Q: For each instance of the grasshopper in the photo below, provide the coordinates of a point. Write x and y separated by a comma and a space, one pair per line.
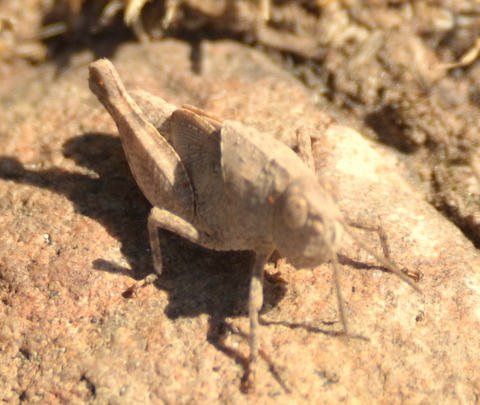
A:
226, 186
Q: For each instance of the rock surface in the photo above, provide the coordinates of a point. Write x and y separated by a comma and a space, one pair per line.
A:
73, 239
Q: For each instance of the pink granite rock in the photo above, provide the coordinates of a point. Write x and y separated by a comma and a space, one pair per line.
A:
73, 238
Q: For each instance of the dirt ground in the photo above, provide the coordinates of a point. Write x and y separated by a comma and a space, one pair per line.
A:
73, 222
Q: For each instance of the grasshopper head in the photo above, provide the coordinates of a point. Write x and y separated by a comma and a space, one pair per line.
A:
307, 226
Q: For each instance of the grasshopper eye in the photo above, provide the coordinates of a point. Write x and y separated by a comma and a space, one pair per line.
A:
295, 212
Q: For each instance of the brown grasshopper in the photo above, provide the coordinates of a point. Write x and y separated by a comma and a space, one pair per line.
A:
226, 186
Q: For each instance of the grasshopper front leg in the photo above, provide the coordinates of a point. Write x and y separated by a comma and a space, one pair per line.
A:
255, 302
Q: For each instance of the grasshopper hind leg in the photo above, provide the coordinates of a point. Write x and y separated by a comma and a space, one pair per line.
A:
164, 219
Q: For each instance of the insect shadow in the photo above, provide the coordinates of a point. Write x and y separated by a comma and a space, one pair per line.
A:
198, 280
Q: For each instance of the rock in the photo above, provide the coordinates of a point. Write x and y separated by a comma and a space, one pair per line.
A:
74, 238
